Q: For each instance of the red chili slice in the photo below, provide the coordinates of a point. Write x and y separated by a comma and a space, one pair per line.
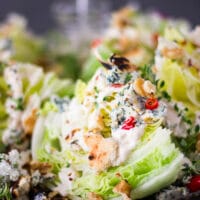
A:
151, 103
194, 184
129, 123
96, 42
117, 85
96, 78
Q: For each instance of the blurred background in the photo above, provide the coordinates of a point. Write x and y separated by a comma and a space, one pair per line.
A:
41, 14
64, 29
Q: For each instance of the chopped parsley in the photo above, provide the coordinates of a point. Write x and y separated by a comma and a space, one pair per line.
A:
19, 104
5, 191
188, 144
128, 78
147, 73
108, 98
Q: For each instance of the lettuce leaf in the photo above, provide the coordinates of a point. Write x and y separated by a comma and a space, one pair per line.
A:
80, 90
46, 145
3, 114
182, 84
154, 164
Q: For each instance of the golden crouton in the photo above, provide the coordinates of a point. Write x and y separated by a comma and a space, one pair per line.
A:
175, 53
29, 122
124, 189
93, 196
103, 151
144, 88
198, 144
42, 167
120, 19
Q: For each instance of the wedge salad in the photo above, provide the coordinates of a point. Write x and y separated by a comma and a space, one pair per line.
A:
128, 129
131, 34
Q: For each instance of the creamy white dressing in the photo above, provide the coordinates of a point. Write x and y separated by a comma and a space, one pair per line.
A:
147, 115
159, 59
195, 35
14, 79
164, 43
10, 109
174, 121
74, 118
66, 176
127, 141
159, 62
14, 76
107, 91
80, 119
93, 120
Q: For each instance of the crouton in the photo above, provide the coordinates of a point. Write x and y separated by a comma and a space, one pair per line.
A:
29, 121
103, 151
124, 189
93, 196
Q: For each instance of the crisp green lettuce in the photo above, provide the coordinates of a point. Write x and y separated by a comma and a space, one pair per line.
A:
45, 85
46, 145
5, 193
48, 107
3, 114
37, 88
182, 84
154, 164
78, 159
181, 76
80, 90
46, 140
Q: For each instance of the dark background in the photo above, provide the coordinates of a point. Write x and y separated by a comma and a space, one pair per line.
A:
40, 17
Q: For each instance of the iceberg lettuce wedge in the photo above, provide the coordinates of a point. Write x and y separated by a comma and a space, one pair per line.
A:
154, 164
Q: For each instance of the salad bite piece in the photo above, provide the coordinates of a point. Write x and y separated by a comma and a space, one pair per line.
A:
131, 34
28, 87
108, 142
177, 63
24, 89
177, 67
24, 45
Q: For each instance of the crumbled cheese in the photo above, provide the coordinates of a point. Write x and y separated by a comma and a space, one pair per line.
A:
35, 178
66, 176
5, 168
14, 157
8, 172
